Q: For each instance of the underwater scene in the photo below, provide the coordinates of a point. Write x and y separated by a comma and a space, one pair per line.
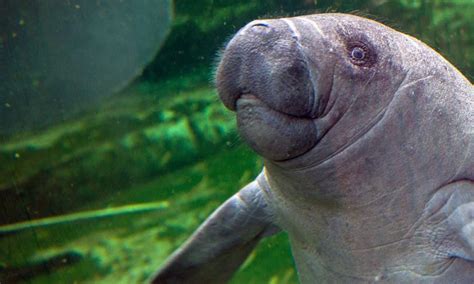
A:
114, 143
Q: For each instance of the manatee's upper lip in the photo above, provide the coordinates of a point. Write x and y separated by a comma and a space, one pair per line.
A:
276, 73
250, 98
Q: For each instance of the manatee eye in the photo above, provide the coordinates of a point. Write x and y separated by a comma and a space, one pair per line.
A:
358, 53
361, 54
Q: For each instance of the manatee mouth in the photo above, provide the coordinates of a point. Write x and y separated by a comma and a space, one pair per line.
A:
264, 77
274, 135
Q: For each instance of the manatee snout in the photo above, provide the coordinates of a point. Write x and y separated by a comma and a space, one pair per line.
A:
264, 58
264, 77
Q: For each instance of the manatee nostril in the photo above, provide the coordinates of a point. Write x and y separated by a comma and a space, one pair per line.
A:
259, 28
260, 24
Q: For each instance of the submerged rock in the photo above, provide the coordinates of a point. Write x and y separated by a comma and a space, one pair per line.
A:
127, 141
39, 267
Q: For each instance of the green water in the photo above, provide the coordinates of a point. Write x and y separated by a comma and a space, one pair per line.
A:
165, 138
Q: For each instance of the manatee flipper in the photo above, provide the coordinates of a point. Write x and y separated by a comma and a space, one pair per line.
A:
220, 245
452, 220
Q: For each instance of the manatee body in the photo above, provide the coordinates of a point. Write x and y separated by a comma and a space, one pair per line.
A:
58, 58
367, 137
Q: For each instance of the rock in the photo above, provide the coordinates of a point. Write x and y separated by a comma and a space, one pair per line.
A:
124, 142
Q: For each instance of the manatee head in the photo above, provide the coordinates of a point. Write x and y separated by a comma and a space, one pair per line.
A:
293, 81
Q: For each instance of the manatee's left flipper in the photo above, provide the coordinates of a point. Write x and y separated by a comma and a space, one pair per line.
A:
452, 220
220, 245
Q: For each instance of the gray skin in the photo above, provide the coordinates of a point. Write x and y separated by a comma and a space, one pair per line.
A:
367, 136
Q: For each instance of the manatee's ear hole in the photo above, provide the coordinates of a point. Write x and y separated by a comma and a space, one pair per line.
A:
360, 52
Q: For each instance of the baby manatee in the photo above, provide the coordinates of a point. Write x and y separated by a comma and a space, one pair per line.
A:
367, 136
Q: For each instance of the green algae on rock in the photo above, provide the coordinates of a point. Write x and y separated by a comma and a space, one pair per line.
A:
146, 138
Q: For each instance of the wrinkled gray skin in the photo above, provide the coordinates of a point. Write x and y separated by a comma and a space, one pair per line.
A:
368, 140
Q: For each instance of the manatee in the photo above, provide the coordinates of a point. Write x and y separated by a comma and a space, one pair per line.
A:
59, 58
367, 137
